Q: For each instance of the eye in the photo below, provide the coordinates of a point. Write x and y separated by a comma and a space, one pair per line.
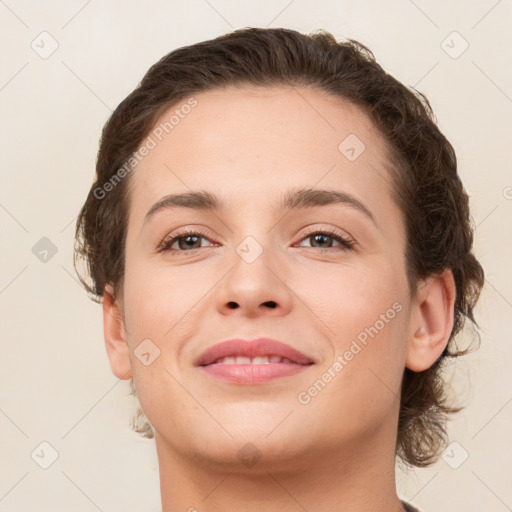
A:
187, 242
321, 237
189, 239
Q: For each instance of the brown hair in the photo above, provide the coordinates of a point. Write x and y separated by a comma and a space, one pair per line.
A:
423, 168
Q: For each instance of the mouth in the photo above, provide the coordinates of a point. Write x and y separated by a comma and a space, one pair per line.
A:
253, 362
273, 359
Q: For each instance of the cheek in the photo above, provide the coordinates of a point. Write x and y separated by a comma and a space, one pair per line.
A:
360, 387
159, 306
369, 324
156, 295
365, 313
166, 305
349, 297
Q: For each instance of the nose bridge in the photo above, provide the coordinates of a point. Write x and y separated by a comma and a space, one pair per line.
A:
255, 252
251, 230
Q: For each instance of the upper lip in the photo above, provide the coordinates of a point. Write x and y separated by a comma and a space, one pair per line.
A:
251, 348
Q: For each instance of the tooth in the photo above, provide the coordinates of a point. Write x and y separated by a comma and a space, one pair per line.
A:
254, 360
260, 360
242, 360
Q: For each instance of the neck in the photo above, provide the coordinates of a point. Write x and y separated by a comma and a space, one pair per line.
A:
358, 478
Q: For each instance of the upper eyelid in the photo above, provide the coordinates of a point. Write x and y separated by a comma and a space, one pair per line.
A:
202, 232
330, 231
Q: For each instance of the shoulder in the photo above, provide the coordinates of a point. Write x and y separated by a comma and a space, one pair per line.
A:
409, 507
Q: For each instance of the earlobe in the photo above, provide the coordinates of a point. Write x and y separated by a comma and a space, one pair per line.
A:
432, 317
116, 344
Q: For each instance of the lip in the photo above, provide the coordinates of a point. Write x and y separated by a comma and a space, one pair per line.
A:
252, 348
252, 373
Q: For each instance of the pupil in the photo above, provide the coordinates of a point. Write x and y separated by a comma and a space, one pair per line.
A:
319, 236
188, 239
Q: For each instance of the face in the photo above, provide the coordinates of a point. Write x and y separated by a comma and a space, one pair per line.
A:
327, 279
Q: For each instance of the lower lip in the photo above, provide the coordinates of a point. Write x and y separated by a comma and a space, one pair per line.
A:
253, 373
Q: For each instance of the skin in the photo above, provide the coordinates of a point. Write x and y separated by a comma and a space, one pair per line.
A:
336, 452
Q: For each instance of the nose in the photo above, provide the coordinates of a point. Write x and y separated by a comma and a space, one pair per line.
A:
255, 284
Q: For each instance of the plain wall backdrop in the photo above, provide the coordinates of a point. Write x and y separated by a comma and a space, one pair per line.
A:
65, 65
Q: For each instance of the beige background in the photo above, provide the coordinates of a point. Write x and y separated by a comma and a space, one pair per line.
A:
55, 382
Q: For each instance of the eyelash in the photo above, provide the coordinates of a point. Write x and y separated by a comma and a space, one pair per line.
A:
168, 242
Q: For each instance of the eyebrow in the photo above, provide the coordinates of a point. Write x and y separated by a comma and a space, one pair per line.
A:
292, 200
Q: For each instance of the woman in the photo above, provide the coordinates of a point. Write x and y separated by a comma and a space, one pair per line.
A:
282, 247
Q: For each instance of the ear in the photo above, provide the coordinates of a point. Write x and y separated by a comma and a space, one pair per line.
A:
432, 317
117, 347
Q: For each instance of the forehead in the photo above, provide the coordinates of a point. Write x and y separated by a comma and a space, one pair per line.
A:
249, 144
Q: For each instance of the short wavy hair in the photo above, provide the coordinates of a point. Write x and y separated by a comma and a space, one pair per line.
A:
422, 166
